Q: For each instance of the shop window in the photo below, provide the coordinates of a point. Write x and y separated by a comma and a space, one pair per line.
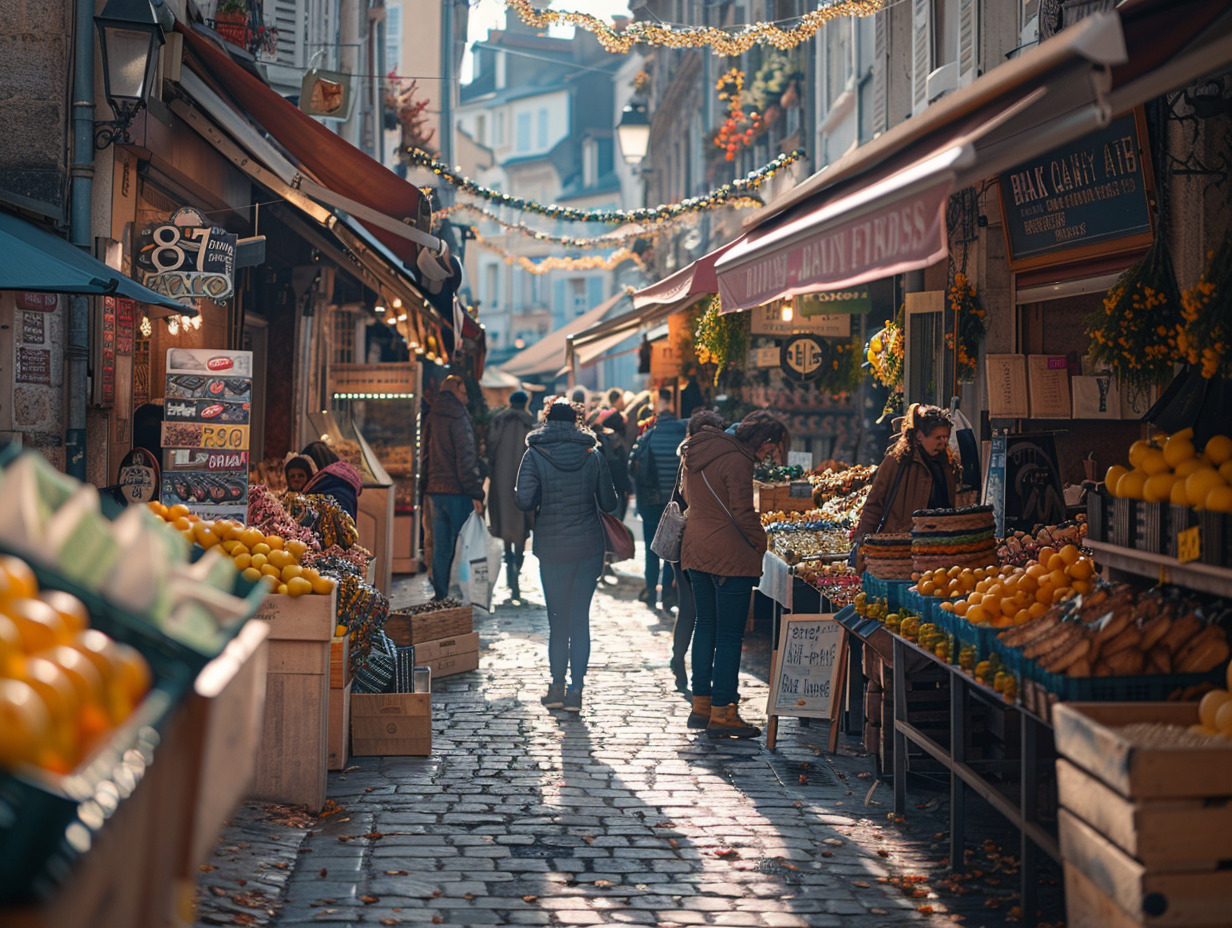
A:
523, 132
543, 129
927, 365
393, 39
342, 337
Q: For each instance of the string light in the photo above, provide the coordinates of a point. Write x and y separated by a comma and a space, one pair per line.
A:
147, 328
719, 197
720, 42
558, 263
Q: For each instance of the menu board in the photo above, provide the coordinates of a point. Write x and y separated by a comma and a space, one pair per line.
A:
1049, 379
205, 432
803, 672
1007, 386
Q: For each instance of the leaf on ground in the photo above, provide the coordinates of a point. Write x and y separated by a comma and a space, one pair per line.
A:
243, 918
241, 882
324, 873
468, 895
206, 868
879, 911
395, 873
331, 808
673, 842
882, 852
827, 853
218, 891
437, 920
529, 898
803, 780
588, 839
391, 921
860, 883
436, 893
604, 884
726, 852
369, 900
925, 909
834, 842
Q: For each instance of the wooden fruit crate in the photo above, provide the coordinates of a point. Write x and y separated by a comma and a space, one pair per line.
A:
339, 726
1146, 828
769, 497
406, 628
391, 724
339, 662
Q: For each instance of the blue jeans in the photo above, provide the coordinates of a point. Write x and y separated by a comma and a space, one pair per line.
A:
650, 523
718, 636
568, 587
449, 513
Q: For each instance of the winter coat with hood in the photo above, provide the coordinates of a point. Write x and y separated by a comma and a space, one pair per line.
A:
338, 480
712, 543
453, 460
507, 433
913, 493
562, 476
655, 459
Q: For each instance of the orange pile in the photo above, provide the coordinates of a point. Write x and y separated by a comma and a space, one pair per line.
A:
255, 554
63, 685
1001, 596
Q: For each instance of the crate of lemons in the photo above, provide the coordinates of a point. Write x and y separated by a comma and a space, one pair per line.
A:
1171, 469
1215, 712
256, 556
64, 686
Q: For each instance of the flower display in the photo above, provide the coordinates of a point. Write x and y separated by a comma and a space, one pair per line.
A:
739, 128
969, 325
884, 353
1204, 334
721, 340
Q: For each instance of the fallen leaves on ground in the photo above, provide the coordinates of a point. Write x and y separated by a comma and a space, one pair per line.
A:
395, 873
529, 898
369, 900
331, 808
604, 884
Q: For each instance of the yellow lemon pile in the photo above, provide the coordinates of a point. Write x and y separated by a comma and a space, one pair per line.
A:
255, 554
1170, 469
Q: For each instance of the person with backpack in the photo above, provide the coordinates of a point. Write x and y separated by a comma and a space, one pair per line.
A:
611, 432
653, 465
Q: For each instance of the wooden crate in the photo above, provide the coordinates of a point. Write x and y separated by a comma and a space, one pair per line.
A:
391, 724
292, 761
339, 662
769, 497
428, 651
454, 663
406, 628
339, 726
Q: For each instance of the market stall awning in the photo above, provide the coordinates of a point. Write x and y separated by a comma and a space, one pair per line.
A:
548, 355
695, 280
34, 260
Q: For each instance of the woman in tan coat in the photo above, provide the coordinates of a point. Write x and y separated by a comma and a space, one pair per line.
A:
722, 551
917, 473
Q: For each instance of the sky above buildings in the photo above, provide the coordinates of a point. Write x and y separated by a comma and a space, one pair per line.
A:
490, 14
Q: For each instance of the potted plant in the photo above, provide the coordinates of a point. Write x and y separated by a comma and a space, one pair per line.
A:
231, 21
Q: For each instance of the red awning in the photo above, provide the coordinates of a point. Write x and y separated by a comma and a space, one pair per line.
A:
334, 161
697, 279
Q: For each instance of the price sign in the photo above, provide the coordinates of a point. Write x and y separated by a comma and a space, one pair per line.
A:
801, 680
1189, 544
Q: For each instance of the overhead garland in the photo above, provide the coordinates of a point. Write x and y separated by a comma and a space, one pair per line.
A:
557, 263
720, 41
719, 197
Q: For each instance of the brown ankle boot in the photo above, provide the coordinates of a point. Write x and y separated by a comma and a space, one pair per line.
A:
700, 716
725, 722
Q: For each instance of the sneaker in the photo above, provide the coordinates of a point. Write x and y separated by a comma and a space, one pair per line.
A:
573, 700
555, 696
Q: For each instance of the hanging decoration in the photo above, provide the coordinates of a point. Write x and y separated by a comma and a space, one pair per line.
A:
721, 340
885, 359
558, 263
1134, 330
1204, 334
968, 323
722, 196
610, 240
720, 41
739, 129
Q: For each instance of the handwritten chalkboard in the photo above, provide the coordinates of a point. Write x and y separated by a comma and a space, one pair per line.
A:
803, 666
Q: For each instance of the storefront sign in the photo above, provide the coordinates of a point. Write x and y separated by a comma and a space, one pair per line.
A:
188, 260
1089, 193
37, 302
126, 311
34, 366
200, 435
33, 328
905, 235
765, 357
804, 357
105, 365
139, 476
768, 320
664, 361
183, 459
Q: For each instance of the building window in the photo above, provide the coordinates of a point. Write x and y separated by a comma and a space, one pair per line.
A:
543, 129
492, 286
481, 130
523, 131
500, 129
393, 39
577, 295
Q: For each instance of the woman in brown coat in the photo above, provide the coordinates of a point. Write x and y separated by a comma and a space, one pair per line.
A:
917, 473
722, 551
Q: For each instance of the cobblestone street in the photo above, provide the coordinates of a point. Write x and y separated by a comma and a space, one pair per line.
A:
619, 815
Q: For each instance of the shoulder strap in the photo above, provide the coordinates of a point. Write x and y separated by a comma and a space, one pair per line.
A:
898, 479
729, 515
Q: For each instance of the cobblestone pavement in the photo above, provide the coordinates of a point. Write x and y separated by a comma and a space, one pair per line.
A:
619, 815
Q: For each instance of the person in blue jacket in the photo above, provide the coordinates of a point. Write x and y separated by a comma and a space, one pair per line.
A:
653, 465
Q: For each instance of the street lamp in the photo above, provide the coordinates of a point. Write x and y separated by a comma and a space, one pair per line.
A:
633, 132
129, 37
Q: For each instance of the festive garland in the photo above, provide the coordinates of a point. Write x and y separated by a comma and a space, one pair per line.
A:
1205, 332
732, 137
719, 197
557, 263
724, 43
969, 315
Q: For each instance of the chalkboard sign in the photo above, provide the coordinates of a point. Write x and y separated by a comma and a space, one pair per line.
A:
1024, 482
803, 671
1091, 192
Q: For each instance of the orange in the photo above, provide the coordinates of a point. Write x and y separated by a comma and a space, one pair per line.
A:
102, 652
1070, 554
251, 574
1210, 704
257, 560
1009, 607
1219, 500
274, 541
1225, 471
1081, 586
12, 656
1158, 488
25, 724
1229, 676
242, 561
1045, 555
280, 558
1137, 451
183, 525
252, 536
292, 572
1132, 484
260, 548
1178, 495
281, 589
40, 626
322, 585
92, 721
1081, 569
60, 697
133, 673
1185, 468
1223, 719
1022, 617
1218, 449
1155, 463
21, 583
977, 616
271, 571
71, 609
1036, 609
1037, 571
298, 586
297, 548
960, 608
1200, 483
1114, 474
178, 511
1055, 563
1177, 449
927, 588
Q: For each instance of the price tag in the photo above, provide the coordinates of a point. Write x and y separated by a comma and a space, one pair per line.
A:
1189, 544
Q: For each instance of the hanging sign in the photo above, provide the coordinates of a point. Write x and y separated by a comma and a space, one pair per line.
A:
326, 94
187, 259
37, 302
804, 357
768, 320
1090, 195
139, 476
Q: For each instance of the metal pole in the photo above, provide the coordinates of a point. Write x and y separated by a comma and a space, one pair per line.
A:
445, 133
80, 234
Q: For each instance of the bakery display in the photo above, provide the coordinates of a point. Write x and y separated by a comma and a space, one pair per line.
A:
953, 538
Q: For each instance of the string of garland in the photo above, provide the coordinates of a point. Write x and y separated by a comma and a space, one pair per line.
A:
720, 42
558, 263
719, 197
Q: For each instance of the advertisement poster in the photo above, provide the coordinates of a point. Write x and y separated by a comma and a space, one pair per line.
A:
206, 432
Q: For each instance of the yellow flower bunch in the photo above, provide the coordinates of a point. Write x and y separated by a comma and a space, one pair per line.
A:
1204, 333
969, 324
885, 355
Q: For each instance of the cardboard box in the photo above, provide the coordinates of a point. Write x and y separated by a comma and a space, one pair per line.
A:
339, 726
456, 663
391, 724
339, 662
412, 628
428, 651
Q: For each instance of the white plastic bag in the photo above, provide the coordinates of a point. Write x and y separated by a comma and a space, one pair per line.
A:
478, 556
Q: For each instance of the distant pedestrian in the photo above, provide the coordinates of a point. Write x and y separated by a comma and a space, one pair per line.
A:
507, 433
334, 477
722, 551
453, 481
611, 432
653, 464
564, 479
298, 470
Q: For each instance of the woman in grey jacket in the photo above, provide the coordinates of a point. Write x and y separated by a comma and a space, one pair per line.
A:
565, 480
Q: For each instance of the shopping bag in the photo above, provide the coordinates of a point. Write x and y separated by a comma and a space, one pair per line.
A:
478, 559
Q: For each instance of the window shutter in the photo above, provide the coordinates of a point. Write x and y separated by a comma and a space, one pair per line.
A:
968, 41
291, 21
881, 66
921, 53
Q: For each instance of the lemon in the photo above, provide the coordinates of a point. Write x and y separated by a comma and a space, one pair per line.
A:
1137, 451
1158, 488
1209, 706
1179, 496
1219, 500
1225, 471
1200, 483
1131, 486
1154, 462
1184, 433
1177, 450
1219, 449
1223, 719
1187, 467
1115, 473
